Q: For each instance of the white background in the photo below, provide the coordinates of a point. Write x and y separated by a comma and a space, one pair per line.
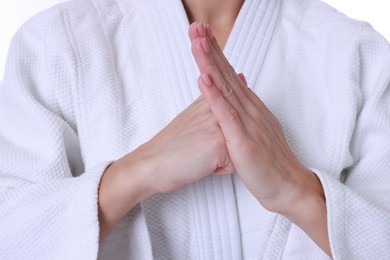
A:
13, 13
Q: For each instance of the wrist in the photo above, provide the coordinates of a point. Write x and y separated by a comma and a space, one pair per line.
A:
131, 176
307, 209
304, 197
124, 184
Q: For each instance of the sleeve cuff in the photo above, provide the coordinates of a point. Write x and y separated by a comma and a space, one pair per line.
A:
87, 227
335, 206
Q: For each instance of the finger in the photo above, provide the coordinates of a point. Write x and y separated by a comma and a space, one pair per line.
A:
227, 117
227, 70
200, 49
224, 65
221, 59
231, 79
242, 77
207, 66
197, 29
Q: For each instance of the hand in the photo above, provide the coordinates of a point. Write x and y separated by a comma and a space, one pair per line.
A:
191, 147
254, 137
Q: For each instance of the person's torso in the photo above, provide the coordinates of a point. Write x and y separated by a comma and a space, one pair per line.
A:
136, 73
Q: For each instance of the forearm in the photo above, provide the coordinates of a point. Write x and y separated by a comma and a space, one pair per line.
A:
306, 207
124, 185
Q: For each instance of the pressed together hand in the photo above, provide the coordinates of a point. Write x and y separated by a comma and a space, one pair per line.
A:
256, 143
254, 137
228, 129
189, 148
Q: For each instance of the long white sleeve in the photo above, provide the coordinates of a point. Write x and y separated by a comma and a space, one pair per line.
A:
48, 201
359, 208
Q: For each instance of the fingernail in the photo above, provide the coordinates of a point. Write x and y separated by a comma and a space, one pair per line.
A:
209, 32
206, 80
205, 45
242, 76
201, 30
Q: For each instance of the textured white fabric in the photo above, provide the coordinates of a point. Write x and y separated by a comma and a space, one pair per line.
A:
89, 81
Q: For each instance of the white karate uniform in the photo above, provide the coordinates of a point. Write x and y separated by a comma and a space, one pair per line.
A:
89, 81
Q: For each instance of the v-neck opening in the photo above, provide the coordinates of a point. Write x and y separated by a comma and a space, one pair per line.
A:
180, 27
188, 23
250, 37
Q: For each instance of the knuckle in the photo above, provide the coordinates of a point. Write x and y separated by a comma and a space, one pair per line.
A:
231, 113
226, 91
229, 72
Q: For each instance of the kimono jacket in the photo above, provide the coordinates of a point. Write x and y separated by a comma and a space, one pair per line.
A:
89, 81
